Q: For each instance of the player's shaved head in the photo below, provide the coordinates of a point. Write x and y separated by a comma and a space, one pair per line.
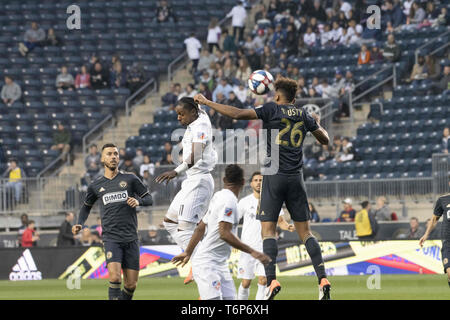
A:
287, 88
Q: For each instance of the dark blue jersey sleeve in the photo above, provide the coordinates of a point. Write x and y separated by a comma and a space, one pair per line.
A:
139, 188
438, 209
310, 122
265, 112
91, 196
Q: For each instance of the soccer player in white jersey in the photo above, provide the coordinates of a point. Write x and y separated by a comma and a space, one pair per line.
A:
209, 264
199, 158
251, 235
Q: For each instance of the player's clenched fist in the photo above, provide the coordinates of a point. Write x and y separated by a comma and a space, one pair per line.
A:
132, 202
200, 99
265, 259
76, 228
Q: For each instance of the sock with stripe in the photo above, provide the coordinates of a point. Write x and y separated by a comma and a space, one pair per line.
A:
270, 248
126, 294
313, 248
114, 290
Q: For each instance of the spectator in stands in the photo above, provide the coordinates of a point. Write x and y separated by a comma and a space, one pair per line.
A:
312, 153
364, 55
24, 221
99, 77
415, 231
193, 47
213, 35
314, 215
118, 78
147, 165
309, 37
65, 235
64, 80
441, 19
446, 140
11, 91
376, 56
391, 50
83, 79
223, 87
138, 158
164, 12
92, 173
382, 211
336, 33
30, 235
85, 239
443, 86
204, 90
228, 44
416, 15
417, 73
392, 13
170, 98
229, 68
128, 165
435, 233
432, 68
268, 58
318, 12
61, 141
189, 91
166, 157
15, 175
241, 92
135, 77
348, 152
326, 37
33, 37
96, 239
205, 61
52, 39
243, 71
348, 214
238, 17
93, 157
151, 237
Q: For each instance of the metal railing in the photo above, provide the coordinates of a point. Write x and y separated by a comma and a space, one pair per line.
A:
417, 51
441, 172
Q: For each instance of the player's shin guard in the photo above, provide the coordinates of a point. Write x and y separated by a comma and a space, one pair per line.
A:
270, 248
114, 290
126, 294
243, 293
313, 248
260, 292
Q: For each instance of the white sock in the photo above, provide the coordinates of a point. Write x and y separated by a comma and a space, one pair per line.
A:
243, 293
260, 292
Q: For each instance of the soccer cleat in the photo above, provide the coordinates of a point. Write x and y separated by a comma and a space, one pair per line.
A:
324, 289
189, 277
271, 291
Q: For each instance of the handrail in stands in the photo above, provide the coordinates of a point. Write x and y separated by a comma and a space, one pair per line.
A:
417, 51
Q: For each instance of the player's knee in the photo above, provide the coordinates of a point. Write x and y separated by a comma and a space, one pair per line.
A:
130, 285
115, 278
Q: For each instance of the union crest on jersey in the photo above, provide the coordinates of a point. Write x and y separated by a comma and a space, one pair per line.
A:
228, 212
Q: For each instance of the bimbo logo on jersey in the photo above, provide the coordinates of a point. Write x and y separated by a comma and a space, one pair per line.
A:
115, 197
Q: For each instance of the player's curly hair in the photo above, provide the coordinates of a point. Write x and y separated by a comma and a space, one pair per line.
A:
188, 103
287, 87
234, 174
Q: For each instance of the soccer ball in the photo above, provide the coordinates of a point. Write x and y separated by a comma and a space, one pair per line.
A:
260, 82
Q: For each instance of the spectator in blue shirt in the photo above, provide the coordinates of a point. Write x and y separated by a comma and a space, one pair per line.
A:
223, 87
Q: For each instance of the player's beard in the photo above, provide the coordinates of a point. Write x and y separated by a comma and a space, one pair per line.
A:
111, 167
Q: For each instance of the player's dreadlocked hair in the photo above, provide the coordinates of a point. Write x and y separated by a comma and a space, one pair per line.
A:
188, 103
288, 88
234, 174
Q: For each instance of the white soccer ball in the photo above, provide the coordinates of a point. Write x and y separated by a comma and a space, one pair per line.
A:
260, 82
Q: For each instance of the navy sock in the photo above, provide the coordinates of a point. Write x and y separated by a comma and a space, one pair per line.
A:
270, 248
313, 248
114, 290
126, 294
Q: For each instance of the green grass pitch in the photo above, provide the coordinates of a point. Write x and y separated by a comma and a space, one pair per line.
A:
393, 287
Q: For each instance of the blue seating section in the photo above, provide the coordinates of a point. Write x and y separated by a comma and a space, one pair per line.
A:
126, 28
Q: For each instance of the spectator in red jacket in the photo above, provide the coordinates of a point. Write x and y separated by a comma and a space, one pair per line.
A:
83, 79
30, 236
364, 55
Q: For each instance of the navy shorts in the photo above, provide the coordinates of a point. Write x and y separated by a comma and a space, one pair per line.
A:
278, 189
125, 253
445, 251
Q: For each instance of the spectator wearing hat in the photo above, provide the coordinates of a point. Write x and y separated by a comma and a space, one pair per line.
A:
348, 214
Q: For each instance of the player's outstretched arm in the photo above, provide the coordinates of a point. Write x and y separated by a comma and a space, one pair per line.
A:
430, 228
82, 217
229, 111
320, 134
183, 258
228, 236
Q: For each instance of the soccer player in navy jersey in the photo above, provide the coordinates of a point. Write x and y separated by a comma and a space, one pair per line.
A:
120, 193
286, 185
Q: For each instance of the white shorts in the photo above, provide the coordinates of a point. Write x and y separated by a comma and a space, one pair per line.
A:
191, 202
249, 266
214, 281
